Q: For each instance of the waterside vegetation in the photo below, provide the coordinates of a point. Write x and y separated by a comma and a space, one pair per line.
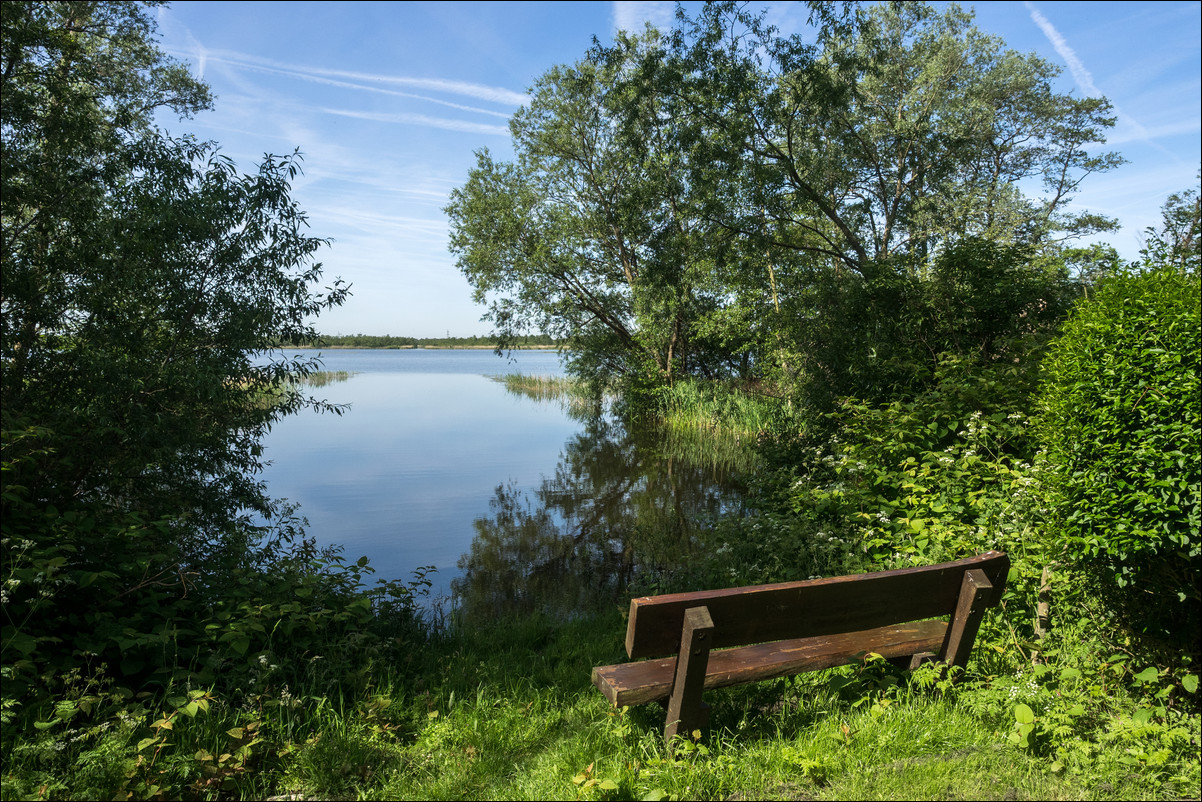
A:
321, 378
925, 369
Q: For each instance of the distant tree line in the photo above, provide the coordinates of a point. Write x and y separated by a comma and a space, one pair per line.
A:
389, 341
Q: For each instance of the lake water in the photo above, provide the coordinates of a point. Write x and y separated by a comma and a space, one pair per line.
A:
516, 503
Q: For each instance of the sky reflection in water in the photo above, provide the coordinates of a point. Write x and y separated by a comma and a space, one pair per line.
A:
517, 504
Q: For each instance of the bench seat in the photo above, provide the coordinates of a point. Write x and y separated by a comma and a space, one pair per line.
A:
651, 680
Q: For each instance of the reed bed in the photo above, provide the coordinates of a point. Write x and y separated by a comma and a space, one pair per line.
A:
716, 423
565, 390
323, 377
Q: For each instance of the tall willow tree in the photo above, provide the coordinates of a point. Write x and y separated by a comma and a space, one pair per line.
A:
853, 169
586, 234
726, 200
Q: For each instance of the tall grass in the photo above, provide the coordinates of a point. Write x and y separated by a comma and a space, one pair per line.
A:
323, 377
541, 388
716, 423
281, 392
567, 391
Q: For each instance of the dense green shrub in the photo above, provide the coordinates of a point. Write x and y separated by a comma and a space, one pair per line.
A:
914, 481
146, 282
1120, 423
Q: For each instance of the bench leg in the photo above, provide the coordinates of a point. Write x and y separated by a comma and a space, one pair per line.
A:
918, 659
975, 590
685, 709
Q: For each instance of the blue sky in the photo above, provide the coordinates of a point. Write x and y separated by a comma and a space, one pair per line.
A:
388, 102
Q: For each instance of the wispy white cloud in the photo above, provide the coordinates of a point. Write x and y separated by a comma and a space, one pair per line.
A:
1080, 74
1084, 79
195, 49
1142, 134
493, 94
629, 15
362, 87
387, 227
407, 118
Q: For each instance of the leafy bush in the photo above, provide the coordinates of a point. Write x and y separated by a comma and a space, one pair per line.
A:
1119, 421
914, 481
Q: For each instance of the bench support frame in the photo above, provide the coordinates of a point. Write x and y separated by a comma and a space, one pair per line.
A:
975, 590
686, 711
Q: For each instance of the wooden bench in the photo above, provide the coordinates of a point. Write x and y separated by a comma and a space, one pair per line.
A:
909, 616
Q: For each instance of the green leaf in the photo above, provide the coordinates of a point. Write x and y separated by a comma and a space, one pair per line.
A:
1190, 683
1023, 714
23, 642
1147, 675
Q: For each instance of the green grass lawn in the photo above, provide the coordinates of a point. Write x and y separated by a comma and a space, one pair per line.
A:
508, 712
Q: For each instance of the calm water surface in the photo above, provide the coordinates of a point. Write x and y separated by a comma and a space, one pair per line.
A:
516, 503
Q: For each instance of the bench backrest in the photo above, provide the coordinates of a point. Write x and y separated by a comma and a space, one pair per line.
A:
763, 613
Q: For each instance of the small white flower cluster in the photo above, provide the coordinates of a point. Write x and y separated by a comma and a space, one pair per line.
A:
831, 538
1025, 690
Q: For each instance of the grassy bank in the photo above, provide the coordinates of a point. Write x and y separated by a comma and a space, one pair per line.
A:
507, 712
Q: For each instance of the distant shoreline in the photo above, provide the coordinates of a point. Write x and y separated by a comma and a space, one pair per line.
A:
486, 347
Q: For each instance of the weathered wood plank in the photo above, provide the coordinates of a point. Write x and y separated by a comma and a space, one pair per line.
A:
651, 680
815, 608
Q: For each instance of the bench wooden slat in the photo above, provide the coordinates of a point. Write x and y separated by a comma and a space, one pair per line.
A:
651, 680
814, 608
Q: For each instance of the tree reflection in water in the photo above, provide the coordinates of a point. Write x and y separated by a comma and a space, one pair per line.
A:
621, 512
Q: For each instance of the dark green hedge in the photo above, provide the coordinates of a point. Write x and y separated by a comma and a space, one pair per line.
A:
1120, 425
